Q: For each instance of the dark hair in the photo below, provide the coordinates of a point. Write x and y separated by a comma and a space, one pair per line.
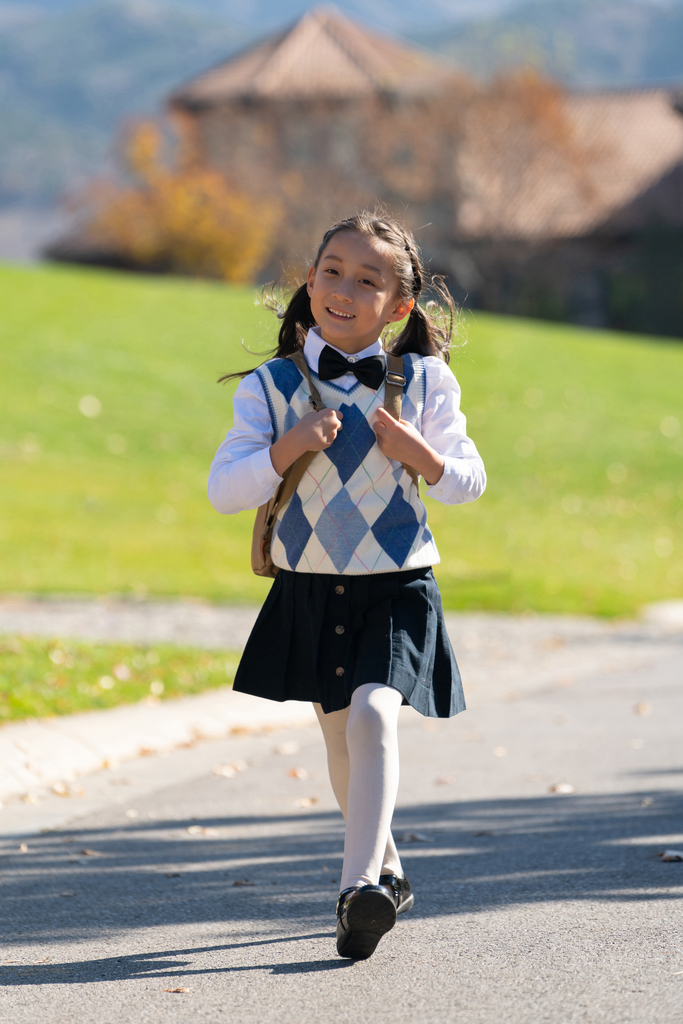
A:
430, 327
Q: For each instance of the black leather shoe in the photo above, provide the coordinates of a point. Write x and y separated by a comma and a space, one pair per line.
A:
364, 915
399, 890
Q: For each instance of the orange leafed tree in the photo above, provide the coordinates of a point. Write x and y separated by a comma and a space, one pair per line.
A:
184, 218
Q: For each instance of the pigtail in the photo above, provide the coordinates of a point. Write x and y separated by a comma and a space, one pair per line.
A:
430, 327
297, 319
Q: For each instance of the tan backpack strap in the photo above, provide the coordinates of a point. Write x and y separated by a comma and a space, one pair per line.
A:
291, 478
302, 366
394, 385
393, 400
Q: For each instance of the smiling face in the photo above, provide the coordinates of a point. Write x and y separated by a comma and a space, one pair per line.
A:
354, 291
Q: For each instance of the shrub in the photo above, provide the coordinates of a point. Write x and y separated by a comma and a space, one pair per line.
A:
184, 218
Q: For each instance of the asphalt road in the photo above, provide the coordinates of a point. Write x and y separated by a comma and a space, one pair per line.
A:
531, 906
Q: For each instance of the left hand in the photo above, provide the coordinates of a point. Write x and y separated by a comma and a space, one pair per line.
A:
401, 442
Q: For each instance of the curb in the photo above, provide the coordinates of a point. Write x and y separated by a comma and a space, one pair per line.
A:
54, 752
51, 752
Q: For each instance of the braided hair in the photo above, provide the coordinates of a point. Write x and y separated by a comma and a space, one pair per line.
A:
430, 326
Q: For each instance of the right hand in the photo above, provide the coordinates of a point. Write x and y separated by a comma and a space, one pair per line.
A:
317, 430
313, 433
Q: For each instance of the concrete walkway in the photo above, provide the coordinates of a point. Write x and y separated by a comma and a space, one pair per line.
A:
502, 658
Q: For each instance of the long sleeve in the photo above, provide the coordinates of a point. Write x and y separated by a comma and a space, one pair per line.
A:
444, 428
241, 475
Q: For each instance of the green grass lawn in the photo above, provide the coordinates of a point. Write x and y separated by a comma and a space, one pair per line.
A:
59, 677
580, 431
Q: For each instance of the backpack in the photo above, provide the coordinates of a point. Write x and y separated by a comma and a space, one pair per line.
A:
261, 562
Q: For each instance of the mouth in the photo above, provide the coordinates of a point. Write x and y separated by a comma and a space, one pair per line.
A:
338, 314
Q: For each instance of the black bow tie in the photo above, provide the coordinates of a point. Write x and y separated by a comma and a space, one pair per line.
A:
370, 371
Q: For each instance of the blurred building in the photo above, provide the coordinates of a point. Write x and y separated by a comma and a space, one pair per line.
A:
328, 117
573, 209
530, 200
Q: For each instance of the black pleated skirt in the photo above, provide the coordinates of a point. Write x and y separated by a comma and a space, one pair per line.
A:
319, 636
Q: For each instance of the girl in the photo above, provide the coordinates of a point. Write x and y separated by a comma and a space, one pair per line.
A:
353, 621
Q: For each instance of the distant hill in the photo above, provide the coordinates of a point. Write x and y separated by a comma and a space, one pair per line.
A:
260, 15
585, 43
68, 78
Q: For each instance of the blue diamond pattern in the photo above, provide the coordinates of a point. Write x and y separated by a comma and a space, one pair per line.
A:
286, 377
352, 443
294, 531
340, 529
291, 419
396, 529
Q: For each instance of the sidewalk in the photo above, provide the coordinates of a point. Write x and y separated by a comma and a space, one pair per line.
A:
503, 659
50, 752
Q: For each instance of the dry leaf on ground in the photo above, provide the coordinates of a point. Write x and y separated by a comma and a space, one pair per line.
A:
181, 989
230, 770
291, 747
670, 855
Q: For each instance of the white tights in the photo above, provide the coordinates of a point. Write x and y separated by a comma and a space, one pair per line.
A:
362, 757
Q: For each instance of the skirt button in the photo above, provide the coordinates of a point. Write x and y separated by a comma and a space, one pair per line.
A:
339, 590
339, 630
339, 671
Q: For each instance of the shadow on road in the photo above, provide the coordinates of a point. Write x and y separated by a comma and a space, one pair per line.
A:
280, 874
160, 964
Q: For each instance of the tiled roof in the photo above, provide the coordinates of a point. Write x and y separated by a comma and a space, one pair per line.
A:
323, 54
616, 146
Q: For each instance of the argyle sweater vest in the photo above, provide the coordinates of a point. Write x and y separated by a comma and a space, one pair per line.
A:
355, 511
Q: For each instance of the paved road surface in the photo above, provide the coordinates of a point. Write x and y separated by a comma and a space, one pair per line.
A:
532, 907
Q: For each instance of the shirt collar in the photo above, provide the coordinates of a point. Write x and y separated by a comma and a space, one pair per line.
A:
314, 345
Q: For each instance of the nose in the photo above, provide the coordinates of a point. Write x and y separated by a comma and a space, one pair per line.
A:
342, 291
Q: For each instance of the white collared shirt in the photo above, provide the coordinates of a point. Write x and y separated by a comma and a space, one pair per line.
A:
242, 476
